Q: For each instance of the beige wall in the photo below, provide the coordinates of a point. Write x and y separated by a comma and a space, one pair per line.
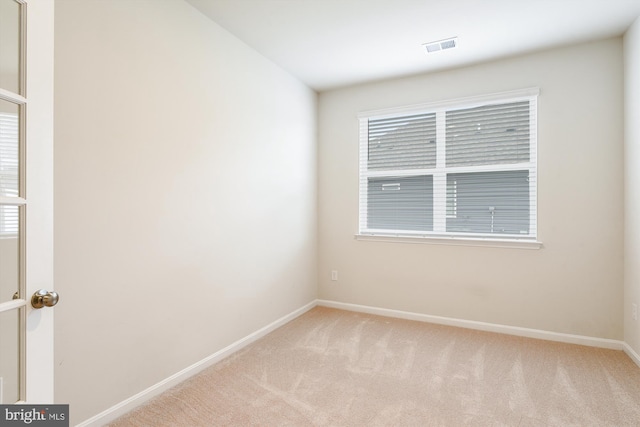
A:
574, 284
185, 195
632, 184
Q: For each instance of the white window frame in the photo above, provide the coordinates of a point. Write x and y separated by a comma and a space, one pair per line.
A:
439, 235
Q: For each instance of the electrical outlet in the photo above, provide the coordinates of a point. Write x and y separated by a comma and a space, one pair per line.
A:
334, 275
634, 311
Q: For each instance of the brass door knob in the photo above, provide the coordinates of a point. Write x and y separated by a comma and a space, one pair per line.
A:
44, 298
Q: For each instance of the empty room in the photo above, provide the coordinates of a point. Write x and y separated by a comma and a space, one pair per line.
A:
321, 212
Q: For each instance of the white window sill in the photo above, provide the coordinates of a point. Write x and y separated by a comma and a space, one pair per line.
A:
454, 241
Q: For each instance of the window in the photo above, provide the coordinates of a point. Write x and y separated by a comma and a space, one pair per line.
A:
8, 173
459, 169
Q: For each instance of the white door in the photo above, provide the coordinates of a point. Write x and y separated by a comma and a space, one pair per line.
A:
26, 200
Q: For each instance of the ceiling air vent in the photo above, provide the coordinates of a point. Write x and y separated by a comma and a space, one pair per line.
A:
441, 45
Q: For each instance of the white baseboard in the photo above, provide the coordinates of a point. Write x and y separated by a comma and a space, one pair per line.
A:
632, 354
482, 326
131, 403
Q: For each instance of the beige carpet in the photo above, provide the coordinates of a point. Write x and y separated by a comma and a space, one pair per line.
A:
337, 368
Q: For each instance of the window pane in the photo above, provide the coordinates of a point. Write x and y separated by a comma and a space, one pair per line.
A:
489, 202
10, 356
9, 253
400, 203
10, 45
488, 135
403, 142
9, 149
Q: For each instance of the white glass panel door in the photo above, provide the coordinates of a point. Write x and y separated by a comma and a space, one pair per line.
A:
26, 132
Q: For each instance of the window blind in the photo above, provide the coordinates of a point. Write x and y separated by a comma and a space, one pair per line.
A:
488, 135
458, 170
407, 142
9, 161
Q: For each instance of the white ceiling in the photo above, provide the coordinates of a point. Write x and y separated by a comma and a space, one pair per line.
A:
333, 43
